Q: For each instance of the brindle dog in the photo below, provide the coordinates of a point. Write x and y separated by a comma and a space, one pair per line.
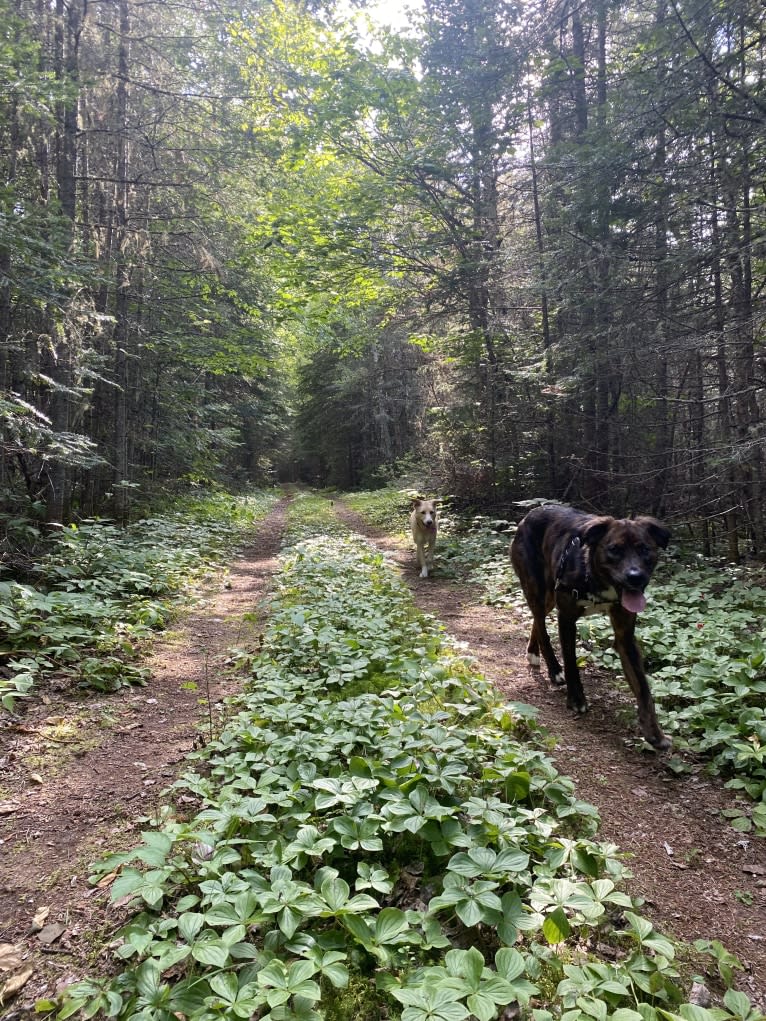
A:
580, 564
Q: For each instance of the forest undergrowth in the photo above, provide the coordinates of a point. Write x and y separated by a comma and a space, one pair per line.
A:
378, 834
96, 593
702, 633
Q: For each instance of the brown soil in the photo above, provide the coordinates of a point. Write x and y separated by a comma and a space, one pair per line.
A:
693, 870
79, 776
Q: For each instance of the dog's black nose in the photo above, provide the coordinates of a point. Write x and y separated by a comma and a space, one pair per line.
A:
636, 578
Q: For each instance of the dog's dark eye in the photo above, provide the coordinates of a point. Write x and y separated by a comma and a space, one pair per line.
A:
643, 551
614, 552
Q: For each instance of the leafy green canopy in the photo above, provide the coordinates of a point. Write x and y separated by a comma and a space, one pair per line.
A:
324, 220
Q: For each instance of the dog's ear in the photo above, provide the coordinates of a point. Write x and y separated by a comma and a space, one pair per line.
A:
595, 530
656, 530
415, 501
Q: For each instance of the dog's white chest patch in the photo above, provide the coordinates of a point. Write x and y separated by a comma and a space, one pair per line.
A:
599, 602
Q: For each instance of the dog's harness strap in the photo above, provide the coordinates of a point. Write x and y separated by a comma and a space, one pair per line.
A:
573, 543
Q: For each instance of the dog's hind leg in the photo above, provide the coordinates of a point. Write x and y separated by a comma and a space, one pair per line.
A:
540, 645
568, 637
533, 586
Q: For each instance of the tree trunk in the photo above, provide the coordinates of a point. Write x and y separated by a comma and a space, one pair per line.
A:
61, 350
545, 324
122, 274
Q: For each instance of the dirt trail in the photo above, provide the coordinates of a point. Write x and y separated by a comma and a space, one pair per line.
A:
78, 775
695, 872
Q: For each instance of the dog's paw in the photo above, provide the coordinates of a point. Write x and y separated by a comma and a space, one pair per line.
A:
578, 707
533, 659
661, 743
424, 573
558, 678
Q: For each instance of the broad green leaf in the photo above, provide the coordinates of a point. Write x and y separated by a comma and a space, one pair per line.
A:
737, 1003
593, 1007
497, 989
641, 925
361, 902
299, 971
148, 980
389, 925
469, 912
691, 1012
509, 963
358, 928
465, 864
288, 921
225, 985
468, 964
126, 883
556, 927
213, 952
481, 1006
189, 924
511, 860
335, 892
337, 974
586, 863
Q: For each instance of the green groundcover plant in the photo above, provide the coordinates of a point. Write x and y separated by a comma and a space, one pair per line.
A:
704, 644
702, 632
102, 590
376, 835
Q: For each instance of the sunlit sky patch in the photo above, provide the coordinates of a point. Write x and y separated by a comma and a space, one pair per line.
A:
396, 14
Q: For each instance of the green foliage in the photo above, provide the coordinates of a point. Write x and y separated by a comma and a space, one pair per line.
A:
104, 590
346, 841
704, 644
361, 1000
465, 987
705, 647
387, 508
725, 962
477, 549
311, 515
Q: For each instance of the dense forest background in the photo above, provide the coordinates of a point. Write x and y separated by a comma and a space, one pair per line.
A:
519, 247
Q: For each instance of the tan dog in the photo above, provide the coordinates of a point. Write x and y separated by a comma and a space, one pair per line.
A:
424, 528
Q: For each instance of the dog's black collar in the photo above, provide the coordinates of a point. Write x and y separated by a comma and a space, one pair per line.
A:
574, 543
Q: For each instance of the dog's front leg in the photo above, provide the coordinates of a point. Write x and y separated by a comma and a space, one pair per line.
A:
422, 561
568, 638
624, 624
430, 551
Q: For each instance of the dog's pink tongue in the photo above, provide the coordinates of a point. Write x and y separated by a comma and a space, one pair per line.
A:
634, 602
